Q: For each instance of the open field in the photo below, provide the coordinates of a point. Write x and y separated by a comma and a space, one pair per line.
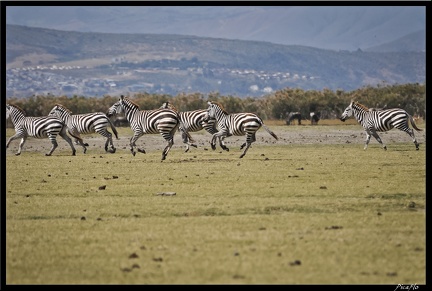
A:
311, 208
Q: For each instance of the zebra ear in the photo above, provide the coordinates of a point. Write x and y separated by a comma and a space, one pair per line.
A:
121, 97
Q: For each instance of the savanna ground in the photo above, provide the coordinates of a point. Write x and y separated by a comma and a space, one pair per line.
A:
311, 208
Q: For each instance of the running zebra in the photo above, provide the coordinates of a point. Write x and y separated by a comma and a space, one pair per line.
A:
37, 127
193, 122
235, 124
380, 120
85, 124
163, 121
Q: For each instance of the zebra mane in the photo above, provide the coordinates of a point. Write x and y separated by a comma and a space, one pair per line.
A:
19, 108
361, 106
220, 106
171, 106
63, 107
132, 102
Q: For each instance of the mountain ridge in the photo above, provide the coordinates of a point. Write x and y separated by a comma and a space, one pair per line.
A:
326, 27
179, 63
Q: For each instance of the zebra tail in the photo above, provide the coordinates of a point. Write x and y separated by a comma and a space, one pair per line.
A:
271, 132
414, 124
113, 128
77, 137
183, 129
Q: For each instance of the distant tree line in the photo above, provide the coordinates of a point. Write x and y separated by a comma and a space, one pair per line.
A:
277, 105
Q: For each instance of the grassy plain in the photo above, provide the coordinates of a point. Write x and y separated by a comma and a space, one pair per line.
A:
287, 213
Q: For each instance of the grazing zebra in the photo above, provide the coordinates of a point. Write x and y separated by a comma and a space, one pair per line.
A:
85, 124
37, 127
235, 124
314, 117
294, 116
163, 121
380, 120
194, 121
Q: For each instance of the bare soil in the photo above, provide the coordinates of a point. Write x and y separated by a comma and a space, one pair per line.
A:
294, 134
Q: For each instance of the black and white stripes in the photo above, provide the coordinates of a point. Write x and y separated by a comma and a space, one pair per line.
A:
162, 121
85, 124
37, 127
374, 120
235, 124
194, 121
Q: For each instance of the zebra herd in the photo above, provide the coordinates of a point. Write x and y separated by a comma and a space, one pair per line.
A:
166, 120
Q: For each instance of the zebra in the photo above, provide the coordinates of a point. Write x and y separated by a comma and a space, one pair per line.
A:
194, 121
163, 121
314, 117
235, 124
380, 120
85, 124
37, 127
292, 116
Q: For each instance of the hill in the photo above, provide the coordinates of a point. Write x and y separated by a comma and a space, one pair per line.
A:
326, 27
42, 60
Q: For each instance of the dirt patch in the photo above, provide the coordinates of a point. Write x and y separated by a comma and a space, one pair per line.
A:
287, 135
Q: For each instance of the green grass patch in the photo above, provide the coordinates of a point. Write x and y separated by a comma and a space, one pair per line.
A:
292, 214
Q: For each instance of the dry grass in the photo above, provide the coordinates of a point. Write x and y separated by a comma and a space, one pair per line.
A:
284, 214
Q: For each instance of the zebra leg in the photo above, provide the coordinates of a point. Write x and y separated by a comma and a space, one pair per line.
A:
167, 148
411, 134
246, 149
376, 136
20, 146
222, 144
368, 137
249, 140
68, 140
221, 136
109, 141
186, 142
77, 142
53, 140
133, 145
212, 142
74, 133
15, 136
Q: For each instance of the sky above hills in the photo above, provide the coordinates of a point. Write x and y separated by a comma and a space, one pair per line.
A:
327, 27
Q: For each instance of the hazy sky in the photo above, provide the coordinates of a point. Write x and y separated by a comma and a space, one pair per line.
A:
334, 27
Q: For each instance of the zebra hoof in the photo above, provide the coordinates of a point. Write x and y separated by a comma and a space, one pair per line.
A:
142, 151
17, 154
47, 155
86, 144
194, 145
134, 153
213, 147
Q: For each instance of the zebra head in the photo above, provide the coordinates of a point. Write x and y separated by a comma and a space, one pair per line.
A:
348, 112
115, 109
57, 110
211, 111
